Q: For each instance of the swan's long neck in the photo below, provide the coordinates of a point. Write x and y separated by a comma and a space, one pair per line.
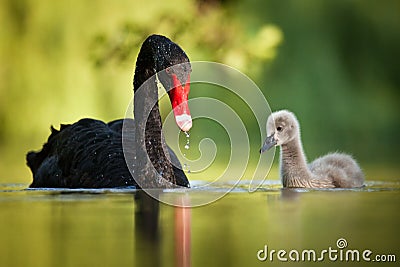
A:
153, 167
294, 170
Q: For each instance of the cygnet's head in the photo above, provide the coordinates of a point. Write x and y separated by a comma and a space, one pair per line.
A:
282, 127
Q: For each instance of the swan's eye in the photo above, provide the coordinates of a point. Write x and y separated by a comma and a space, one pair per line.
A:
279, 128
168, 70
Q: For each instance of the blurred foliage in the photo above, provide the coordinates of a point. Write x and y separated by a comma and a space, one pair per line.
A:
331, 62
205, 29
66, 60
338, 71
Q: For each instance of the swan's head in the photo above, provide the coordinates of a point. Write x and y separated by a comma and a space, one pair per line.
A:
282, 127
159, 55
173, 70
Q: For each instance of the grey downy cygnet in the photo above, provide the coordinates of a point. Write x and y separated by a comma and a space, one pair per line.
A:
330, 171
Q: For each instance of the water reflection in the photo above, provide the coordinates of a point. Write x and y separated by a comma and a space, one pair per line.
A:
147, 231
128, 228
182, 232
148, 243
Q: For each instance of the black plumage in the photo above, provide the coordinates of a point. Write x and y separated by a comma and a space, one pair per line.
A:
90, 154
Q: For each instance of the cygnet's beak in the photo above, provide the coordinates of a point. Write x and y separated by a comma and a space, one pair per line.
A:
268, 143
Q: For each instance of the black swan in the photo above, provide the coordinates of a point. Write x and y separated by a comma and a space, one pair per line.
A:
89, 153
330, 171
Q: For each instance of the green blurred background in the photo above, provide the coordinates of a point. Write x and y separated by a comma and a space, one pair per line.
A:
331, 62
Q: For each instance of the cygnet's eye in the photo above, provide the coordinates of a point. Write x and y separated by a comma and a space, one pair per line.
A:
279, 128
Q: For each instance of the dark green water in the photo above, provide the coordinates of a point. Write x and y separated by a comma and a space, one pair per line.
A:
125, 228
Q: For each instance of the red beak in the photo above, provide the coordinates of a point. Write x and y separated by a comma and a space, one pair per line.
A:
179, 97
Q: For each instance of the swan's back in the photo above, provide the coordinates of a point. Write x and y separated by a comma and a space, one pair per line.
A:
340, 168
87, 153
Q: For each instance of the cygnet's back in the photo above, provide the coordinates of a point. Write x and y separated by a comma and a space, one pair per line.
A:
341, 168
332, 170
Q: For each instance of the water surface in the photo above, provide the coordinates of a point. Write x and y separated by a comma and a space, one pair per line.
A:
123, 227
